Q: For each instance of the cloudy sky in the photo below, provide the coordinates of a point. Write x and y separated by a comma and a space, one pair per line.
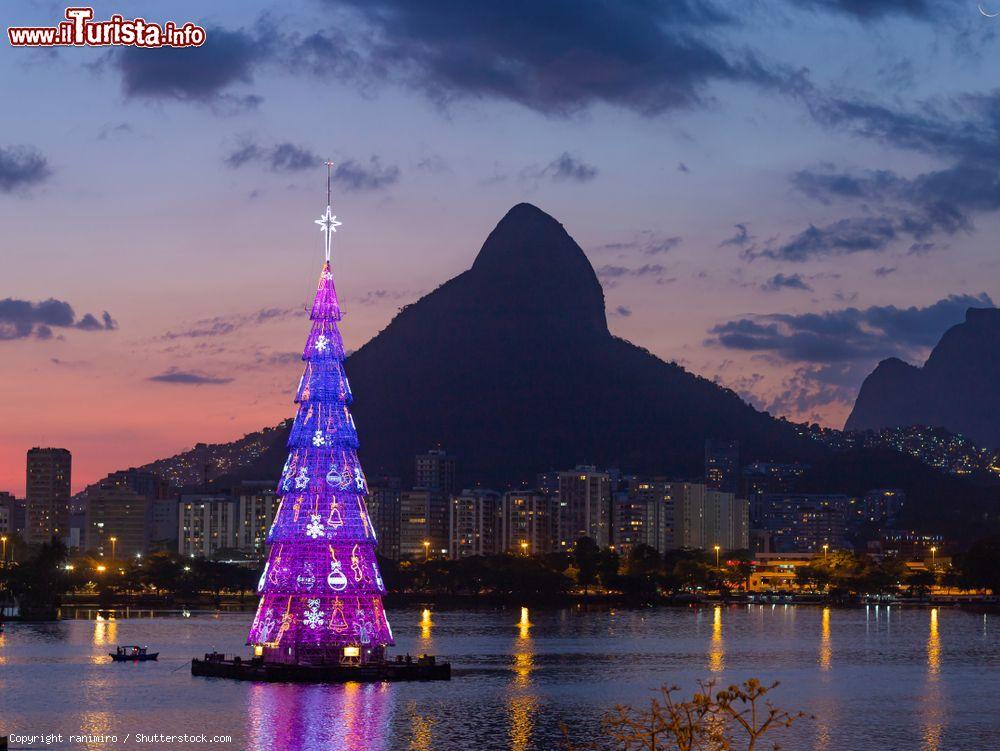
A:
775, 194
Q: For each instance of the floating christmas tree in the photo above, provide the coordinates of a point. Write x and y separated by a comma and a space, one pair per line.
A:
321, 590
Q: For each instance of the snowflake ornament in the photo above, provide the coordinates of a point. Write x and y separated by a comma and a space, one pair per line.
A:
315, 528
322, 343
318, 439
313, 617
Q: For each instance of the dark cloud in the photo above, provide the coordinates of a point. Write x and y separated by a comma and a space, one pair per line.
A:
281, 157
647, 242
940, 201
20, 319
848, 334
352, 175
188, 378
277, 359
622, 310
566, 167
961, 130
359, 176
21, 167
557, 58
681, 167
663, 245
114, 130
741, 239
89, 323
780, 281
838, 238
203, 75
619, 272
884, 271
223, 325
870, 9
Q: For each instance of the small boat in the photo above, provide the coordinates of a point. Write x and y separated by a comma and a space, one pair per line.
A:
133, 653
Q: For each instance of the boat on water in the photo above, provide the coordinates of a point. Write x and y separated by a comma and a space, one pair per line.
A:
133, 653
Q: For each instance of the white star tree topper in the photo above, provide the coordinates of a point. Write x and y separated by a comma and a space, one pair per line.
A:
328, 221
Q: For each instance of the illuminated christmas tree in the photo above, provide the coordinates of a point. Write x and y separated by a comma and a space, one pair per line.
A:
321, 590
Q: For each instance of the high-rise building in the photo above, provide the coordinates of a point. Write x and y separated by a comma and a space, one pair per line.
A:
48, 494
206, 524
727, 521
722, 466
547, 483
883, 505
5, 525
688, 500
384, 511
656, 495
257, 505
161, 513
423, 519
585, 506
116, 522
804, 522
704, 518
13, 511
631, 518
163, 523
141, 482
474, 523
435, 470
528, 522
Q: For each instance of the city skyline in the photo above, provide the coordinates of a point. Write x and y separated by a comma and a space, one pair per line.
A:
770, 217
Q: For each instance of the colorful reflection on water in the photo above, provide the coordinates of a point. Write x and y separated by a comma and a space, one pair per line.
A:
900, 679
351, 717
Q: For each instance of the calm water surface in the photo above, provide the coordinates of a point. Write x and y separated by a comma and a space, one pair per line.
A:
875, 679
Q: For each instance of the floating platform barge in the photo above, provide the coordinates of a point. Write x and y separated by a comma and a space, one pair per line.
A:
216, 665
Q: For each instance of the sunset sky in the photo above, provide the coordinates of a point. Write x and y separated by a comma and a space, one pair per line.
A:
775, 195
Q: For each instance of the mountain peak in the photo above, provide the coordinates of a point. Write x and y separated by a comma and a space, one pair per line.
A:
530, 260
983, 316
955, 389
527, 235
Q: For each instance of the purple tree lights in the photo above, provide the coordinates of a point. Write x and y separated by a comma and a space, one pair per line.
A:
321, 589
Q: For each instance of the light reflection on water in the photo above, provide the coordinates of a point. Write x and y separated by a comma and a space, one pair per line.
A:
895, 679
933, 707
717, 653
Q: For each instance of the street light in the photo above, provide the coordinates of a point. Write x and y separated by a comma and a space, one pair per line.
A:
101, 568
717, 549
3, 558
427, 551
933, 557
524, 547
113, 541
825, 548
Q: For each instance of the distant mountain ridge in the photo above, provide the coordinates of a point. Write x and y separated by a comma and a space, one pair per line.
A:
958, 388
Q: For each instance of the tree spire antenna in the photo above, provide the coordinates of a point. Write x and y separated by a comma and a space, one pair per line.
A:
329, 175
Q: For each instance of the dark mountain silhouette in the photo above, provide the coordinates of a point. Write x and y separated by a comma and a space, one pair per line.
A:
511, 366
958, 388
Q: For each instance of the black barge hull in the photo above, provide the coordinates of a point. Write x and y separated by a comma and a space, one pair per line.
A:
252, 670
